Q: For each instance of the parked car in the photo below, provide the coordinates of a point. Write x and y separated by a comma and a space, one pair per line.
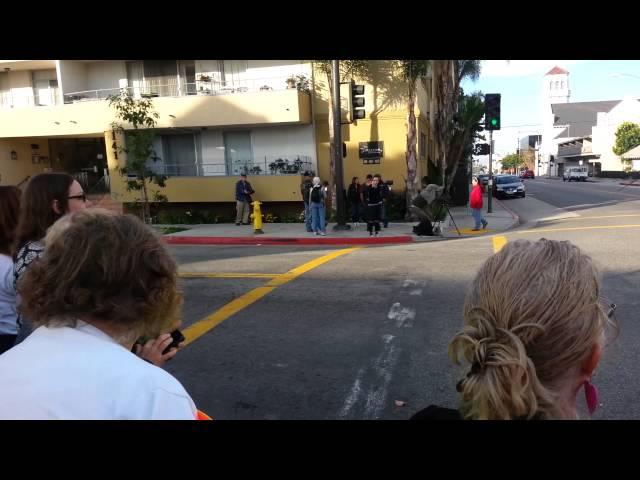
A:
527, 174
575, 173
483, 178
508, 186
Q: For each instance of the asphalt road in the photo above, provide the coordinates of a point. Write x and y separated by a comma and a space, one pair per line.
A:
351, 336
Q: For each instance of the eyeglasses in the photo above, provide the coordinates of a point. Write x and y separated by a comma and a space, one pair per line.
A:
82, 197
612, 309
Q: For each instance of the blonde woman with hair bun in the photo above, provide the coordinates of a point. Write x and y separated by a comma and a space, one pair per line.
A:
534, 331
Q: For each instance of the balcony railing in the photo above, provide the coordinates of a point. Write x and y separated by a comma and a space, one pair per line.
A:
12, 100
268, 165
200, 87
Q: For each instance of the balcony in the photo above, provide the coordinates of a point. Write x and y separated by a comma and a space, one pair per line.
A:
44, 98
203, 86
268, 165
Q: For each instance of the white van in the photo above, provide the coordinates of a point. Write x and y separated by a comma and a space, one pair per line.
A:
575, 174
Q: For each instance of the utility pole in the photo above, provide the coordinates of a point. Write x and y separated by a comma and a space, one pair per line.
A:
490, 192
341, 223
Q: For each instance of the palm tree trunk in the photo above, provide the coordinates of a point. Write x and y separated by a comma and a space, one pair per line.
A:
411, 149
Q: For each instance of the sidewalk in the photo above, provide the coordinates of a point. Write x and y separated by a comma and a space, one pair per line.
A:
295, 234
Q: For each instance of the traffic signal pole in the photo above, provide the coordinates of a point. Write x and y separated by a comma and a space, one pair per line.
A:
490, 192
341, 223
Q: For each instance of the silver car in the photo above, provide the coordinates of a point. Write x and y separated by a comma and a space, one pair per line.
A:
508, 186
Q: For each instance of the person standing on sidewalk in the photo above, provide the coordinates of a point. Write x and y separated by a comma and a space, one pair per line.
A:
354, 195
305, 189
475, 204
317, 198
9, 209
243, 200
386, 191
373, 197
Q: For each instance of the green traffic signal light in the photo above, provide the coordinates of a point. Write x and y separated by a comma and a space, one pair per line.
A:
494, 122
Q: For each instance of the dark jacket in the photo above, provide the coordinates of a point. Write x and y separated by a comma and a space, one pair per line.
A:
320, 191
305, 188
373, 195
437, 413
241, 196
354, 193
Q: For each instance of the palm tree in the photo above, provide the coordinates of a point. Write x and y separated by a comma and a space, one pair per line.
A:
466, 129
348, 68
412, 72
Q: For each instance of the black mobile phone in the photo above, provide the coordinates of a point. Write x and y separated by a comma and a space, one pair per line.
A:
178, 338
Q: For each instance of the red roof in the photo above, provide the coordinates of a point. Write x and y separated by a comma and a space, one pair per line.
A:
556, 71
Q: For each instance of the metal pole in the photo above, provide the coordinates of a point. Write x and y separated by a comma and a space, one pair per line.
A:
490, 192
341, 223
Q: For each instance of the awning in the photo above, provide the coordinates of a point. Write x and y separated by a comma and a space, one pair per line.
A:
632, 154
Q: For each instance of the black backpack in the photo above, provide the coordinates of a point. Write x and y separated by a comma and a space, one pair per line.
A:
316, 196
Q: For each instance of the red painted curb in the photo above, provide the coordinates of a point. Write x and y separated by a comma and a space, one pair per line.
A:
511, 212
286, 240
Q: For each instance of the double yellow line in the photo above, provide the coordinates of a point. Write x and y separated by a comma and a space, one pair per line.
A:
195, 331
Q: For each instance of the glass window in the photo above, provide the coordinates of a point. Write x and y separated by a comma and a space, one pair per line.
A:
180, 154
238, 153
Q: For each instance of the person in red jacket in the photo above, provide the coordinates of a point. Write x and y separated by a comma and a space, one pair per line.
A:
476, 204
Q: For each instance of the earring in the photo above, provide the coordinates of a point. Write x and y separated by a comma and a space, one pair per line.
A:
591, 395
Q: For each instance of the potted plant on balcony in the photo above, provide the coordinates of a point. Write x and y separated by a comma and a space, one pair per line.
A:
302, 83
291, 82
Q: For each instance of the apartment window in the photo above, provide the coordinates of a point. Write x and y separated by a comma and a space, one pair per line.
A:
180, 154
238, 152
422, 146
562, 85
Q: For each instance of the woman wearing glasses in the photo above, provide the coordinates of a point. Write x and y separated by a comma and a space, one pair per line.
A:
47, 197
534, 331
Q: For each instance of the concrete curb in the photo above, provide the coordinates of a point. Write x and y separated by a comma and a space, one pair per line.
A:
516, 218
257, 240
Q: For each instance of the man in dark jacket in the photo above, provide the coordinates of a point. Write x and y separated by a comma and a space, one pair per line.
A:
305, 188
243, 200
386, 191
373, 197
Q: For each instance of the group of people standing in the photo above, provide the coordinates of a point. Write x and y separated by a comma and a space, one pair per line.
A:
88, 301
367, 201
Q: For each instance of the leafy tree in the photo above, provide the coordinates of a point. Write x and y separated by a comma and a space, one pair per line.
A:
627, 137
138, 114
513, 160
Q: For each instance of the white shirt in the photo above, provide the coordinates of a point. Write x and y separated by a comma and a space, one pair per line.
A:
82, 373
8, 315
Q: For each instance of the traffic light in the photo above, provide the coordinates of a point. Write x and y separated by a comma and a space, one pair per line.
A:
357, 101
492, 111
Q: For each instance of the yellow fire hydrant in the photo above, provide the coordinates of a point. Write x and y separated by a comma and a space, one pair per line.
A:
257, 217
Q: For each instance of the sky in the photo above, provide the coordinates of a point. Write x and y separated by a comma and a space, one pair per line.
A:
520, 84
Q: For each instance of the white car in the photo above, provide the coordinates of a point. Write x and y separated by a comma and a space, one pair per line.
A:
576, 174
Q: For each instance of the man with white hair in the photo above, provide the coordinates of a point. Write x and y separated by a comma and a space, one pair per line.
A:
317, 197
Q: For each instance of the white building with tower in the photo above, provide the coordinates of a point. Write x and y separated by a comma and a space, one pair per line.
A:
555, 90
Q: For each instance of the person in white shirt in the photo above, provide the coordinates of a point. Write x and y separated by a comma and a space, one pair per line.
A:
101, 283
9, 209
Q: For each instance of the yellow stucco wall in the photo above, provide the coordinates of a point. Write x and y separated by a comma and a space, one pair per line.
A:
386, 120
276, 188
93, 118
13, 172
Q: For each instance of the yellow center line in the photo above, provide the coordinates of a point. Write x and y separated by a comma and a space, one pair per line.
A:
195, 331
227, 275
499, 242
567, 229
